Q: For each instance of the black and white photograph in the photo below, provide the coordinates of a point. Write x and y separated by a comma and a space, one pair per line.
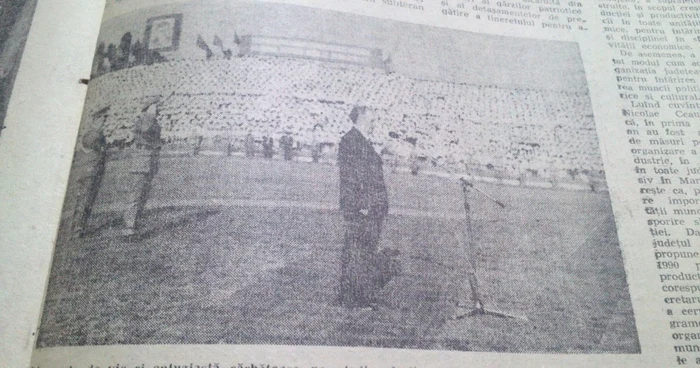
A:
253, 173
15, 20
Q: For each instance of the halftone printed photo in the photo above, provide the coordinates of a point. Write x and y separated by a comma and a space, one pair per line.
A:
15, 20
254, 173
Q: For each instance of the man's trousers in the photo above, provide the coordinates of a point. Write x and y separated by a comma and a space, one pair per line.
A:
360, 276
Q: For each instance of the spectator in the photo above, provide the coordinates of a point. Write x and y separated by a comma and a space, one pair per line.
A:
287, 145
249, 145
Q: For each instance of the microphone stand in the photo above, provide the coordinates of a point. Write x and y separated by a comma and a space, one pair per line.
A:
478, 308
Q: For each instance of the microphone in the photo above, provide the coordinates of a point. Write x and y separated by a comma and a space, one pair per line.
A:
466, 183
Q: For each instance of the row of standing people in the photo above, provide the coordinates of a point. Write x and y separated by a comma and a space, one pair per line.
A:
286, 144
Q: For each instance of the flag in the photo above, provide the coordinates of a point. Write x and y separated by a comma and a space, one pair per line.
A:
203, 45
388, 65
217, 41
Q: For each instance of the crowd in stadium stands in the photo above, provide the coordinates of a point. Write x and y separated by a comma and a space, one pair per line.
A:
486, 130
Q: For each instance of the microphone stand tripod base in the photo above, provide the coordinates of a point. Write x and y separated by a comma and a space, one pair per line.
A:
470, 246
479, 310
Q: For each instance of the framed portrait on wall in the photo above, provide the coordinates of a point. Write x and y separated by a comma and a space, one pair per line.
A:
163, 32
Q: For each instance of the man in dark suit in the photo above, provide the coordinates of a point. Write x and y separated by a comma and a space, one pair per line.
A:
364, 205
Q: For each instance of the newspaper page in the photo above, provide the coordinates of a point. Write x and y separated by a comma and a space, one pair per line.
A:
45, 48
395, 183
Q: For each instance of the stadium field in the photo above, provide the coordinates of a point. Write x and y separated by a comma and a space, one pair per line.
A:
247, 251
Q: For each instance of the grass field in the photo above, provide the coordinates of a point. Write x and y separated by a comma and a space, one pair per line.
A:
247, 252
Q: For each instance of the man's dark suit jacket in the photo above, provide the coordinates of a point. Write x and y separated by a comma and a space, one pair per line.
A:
361, 178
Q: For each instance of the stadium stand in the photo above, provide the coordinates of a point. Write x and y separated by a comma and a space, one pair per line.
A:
489, 131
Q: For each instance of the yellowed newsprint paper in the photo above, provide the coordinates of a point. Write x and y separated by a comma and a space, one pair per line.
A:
394, 183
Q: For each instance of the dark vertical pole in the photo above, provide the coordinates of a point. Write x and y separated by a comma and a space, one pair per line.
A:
470, 249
